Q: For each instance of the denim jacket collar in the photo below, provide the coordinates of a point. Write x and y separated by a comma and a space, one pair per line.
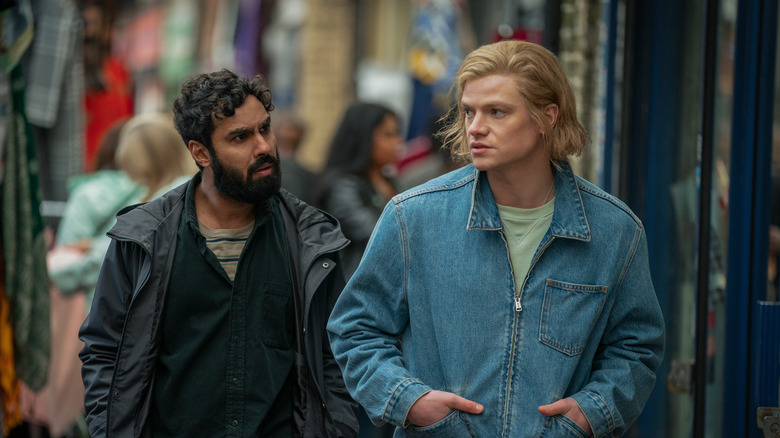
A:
569, 219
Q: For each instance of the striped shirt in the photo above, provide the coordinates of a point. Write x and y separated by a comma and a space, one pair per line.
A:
227, 245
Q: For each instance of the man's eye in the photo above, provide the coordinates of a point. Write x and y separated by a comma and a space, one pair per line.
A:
497, 112
469, 113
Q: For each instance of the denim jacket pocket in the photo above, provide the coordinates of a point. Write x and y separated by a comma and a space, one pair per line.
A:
561, 426
454, 425
569, 313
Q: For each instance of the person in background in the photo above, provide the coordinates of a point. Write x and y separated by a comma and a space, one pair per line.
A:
73, 264
354, 185
296, 178
210, 310
94, 200
509, 297
150, 152
139, 159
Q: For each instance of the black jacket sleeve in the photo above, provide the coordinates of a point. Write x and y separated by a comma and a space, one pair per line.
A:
342, 407
350, 199
101, 331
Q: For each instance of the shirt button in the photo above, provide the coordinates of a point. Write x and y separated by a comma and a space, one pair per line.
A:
234, 423
235, 380
235, 339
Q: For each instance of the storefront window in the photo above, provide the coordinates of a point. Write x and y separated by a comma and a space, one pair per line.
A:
716, 317
684, 190
773, 265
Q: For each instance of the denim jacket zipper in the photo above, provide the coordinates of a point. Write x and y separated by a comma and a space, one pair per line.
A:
519, 292
518, 307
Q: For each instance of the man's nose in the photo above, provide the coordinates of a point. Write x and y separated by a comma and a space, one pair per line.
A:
263, 144
477, 125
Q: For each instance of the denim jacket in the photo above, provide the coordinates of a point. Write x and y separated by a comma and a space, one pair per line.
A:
434, 305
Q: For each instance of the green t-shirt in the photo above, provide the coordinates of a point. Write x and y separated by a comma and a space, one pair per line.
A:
524, 229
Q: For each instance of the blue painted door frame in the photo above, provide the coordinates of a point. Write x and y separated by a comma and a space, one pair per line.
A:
749, 199
649, 142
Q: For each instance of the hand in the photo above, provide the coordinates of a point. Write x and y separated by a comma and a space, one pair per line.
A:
435, 405
82, 246
569, 408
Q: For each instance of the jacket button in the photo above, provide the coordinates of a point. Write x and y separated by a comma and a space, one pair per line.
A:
325, 265
116, 395
234, 423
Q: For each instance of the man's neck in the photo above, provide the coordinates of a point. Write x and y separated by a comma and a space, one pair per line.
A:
523, 190
219, 212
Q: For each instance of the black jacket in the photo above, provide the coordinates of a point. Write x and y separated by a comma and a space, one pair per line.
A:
122, 329
357, 206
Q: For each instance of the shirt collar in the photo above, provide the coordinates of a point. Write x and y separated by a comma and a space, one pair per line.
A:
569, 218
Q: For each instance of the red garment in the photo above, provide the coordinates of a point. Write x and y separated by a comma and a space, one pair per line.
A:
105, 107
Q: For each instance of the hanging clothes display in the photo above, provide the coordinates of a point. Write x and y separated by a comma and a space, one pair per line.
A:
9, 385
434, 56
180, 35
54, 94
281, 44
26, 279
253, 20
104, 107
24, 302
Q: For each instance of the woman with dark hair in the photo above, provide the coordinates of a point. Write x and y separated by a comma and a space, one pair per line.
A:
354, 186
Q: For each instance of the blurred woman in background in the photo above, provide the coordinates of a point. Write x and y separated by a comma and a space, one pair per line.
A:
354, 185
154, 155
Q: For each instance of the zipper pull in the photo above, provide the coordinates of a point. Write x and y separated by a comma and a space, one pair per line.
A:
518, 306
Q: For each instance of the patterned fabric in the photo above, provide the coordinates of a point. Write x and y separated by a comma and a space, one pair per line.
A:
9, 384
180, 36
227, 245
26, 280
16, 25
17, 32
55, 94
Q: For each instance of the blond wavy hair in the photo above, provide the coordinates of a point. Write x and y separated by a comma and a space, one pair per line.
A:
150, 151
539, 79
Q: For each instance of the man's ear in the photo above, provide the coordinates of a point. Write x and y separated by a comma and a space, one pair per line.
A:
199, 153
551, 111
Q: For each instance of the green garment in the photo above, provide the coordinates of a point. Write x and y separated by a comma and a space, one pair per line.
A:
27, 284
524, 229
93, 202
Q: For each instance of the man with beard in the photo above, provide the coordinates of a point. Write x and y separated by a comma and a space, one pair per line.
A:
210, 311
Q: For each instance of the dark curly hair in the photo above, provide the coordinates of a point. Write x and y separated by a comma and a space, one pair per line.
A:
210, 96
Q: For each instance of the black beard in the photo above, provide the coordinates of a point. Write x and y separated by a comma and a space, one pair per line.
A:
231, 184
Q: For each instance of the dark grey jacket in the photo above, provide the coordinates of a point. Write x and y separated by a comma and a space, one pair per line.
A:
122, 329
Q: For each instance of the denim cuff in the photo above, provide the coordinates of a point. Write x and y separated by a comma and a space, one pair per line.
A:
597, 413
405, 394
